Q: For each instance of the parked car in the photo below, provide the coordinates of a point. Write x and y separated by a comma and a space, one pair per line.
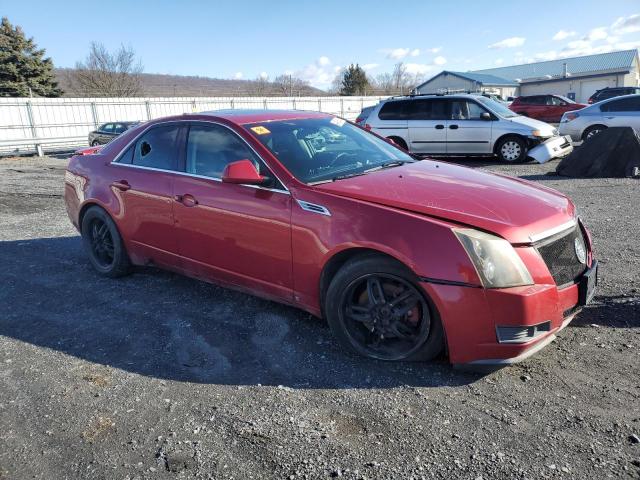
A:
363, 115
461, 124
615, 112
108, 131
400, 256
547, 108
610, 92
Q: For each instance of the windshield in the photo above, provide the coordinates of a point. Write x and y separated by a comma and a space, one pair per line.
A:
326, 149
566, 99
498, 108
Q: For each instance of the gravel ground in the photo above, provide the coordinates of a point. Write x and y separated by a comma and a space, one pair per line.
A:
160, 376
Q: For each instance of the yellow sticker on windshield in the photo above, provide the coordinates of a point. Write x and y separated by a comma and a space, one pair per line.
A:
260, 130
338, 121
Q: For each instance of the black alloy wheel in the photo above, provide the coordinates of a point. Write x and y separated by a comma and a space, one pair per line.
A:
375, 308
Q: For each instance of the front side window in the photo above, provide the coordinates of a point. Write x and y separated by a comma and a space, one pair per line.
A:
107, 128
210, 148
326, 149
466, 110
158, 148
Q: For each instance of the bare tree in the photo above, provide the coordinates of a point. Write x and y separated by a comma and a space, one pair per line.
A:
260, 86
288, 85
107, 74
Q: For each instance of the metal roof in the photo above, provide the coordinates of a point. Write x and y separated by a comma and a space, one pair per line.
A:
602, 62
484, 78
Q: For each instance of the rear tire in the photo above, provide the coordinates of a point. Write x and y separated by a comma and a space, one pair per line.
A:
376, 308
592, 131
103, 244
512, 149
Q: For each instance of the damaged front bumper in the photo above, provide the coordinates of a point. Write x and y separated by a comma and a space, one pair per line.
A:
554, 147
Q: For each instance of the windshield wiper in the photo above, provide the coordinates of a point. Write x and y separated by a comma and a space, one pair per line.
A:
395, 163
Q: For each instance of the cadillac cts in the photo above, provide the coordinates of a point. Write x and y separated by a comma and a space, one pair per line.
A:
403, 258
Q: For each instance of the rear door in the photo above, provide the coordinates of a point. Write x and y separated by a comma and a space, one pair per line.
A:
622, 112
142, 183
467, 132
427, 121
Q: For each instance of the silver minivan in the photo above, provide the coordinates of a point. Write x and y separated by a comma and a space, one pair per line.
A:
465, 124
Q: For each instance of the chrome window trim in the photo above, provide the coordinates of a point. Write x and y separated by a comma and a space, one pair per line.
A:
186, 122
571, 224
313, 208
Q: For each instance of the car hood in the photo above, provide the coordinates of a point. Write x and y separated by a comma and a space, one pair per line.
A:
531, 122
512, 208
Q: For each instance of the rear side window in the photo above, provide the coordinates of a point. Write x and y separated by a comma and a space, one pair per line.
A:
157, 148
427, 109
210, 148
394, 110
622, 105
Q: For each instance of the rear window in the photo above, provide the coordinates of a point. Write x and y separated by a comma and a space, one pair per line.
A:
397, 110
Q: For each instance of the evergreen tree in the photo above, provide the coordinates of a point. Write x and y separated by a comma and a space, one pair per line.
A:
23, 69
354, 81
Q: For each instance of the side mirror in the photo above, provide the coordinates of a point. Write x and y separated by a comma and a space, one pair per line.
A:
485, 116
242, 171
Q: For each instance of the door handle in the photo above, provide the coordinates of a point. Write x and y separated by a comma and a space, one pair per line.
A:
187, 200
122, 185
453, 127
439, 127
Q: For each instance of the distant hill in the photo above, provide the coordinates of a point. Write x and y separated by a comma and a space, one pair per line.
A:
158, 85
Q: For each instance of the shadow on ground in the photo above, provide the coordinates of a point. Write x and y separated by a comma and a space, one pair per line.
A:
167, 326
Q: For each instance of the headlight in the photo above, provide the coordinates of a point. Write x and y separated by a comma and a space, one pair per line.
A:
497, 263
541, 133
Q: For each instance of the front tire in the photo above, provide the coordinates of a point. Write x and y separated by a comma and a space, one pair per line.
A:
375, 308
95, 143
512, 150
103, 244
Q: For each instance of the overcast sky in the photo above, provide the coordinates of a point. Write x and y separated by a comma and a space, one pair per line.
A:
314, 39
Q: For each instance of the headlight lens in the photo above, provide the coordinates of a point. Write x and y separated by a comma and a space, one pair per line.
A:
496, 261
542, 133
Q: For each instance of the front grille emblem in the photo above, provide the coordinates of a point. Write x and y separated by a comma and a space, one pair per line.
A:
581, 251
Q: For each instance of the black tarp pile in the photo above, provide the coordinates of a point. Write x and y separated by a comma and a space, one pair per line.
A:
614, 152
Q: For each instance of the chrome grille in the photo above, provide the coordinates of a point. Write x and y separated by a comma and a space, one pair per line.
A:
559, 253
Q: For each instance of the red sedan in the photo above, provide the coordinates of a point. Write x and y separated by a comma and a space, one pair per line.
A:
403, 258
547, 108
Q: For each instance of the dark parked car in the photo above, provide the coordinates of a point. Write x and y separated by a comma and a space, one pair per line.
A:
546, 108
610, 92
108, 131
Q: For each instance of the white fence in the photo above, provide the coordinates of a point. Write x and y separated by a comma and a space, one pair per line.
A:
45, 124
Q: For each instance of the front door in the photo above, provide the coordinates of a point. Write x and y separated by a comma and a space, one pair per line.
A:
427, 119
238, 234
467, 132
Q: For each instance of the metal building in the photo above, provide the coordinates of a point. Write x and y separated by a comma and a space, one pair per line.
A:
576, 77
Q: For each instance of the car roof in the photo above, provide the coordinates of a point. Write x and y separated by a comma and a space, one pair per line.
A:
243, 116
432, 95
